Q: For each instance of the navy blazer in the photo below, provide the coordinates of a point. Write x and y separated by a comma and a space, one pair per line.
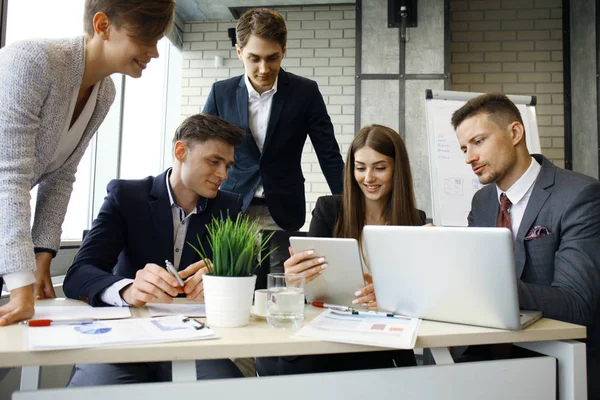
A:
135, 227
298, 111
559, 273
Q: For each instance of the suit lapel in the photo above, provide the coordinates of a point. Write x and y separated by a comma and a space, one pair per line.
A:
242, 104
242, 110
279, 99
539, 195
197, 228
491, 218
162, 218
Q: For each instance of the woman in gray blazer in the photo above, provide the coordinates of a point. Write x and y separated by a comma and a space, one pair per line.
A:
54, 95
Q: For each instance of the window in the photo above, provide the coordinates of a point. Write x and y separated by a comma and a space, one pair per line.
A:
150, 105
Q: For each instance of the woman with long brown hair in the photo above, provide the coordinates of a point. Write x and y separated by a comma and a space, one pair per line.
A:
378, 190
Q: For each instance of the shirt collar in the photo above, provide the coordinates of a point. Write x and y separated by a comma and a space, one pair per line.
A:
202, 201
253, 93
519, 189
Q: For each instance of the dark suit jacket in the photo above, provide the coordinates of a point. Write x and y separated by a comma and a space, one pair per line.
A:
326, 214
298, 110
560, 272
135, 227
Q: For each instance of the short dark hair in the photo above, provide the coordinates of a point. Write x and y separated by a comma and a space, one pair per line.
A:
262, 22
202, 127
496, 105
145, 19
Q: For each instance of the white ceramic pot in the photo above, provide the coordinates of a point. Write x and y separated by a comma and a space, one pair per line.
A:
228, 300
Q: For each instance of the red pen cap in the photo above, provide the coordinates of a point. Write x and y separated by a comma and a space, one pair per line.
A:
39, 322
318, 304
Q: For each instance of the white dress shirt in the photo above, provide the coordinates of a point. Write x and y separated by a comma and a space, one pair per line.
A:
259, 112
69, 139
111, 294
519, 194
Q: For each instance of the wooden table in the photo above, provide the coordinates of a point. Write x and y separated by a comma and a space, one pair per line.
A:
258, 339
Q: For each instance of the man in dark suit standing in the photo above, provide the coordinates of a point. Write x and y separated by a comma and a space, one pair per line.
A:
277, 110
144, 222
554, 215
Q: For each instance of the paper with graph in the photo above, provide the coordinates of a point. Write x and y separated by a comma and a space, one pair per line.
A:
373, 329
117, 332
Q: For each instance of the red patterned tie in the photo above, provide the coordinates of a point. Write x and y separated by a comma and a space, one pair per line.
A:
504, 216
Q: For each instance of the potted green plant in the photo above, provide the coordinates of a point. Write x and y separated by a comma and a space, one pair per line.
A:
238, 247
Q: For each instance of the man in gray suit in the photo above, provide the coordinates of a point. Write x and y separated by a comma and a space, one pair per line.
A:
554, 215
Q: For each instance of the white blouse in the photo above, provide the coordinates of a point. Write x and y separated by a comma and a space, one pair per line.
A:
70, 137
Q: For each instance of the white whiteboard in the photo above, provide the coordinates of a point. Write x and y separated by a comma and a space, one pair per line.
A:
453, 182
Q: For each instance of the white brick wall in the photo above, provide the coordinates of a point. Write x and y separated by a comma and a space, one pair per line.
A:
321, 47
515, 47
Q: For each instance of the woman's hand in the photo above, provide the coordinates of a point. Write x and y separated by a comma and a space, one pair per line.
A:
43, 289
366, 296
19, 307
305, 263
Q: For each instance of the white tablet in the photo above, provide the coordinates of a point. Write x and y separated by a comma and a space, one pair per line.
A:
343, 275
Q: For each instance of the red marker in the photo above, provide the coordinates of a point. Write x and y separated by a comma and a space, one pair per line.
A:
320, 304
49, 322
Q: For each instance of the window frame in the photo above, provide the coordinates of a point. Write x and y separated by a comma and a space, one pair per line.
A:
3, 10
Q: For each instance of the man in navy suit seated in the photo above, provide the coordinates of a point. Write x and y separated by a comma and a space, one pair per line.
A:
278, 111
144, 222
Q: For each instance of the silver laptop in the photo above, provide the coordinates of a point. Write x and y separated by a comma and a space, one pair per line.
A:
461, 275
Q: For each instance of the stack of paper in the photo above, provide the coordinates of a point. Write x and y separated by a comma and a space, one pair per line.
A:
66, 313
118, 332
187, 309
368, 328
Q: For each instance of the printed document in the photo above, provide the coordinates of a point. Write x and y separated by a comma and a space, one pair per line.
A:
118, 332
66, 313
368, 328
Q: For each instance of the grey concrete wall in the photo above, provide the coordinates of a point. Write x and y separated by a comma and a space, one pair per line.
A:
583, 88
424, 55
425, 45
379, 103
416, 139
380, 99
380, 44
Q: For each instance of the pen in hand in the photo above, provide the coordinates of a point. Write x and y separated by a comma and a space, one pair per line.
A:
173, 272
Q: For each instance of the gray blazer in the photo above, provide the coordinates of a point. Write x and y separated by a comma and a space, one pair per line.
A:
37, 80
559, 272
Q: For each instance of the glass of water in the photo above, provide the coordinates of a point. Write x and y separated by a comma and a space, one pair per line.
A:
285, 300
